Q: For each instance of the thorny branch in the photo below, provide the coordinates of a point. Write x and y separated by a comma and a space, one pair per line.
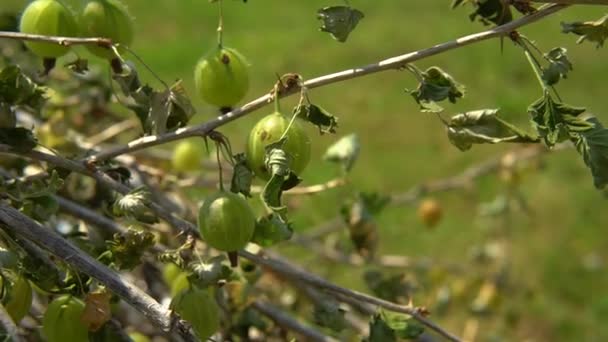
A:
393, 63
22, 226
281, 319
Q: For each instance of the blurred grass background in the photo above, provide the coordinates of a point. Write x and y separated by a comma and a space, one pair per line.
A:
401, 147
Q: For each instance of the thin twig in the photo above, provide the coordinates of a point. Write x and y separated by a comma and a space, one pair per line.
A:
281, 319
112, 131
393, 63
65, 41
24, 227
292, 271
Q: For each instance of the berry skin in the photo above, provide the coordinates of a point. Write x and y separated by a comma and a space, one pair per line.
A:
222, 77
62, 320
430, 212
18, 300
269, 130
226, 221
187, 156
198, 307
50, 18
107, 19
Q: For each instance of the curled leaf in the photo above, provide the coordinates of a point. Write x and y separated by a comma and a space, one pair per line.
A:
435, 86
554, 120
345, 151
559, 66
483, 127
593, 146
339, 21
242, 176
126, 249
96, 310
592, 31
326, 122
270, 230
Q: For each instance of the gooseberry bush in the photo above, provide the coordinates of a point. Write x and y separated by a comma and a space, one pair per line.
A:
105, 239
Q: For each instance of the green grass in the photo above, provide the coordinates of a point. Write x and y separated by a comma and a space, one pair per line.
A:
402, 147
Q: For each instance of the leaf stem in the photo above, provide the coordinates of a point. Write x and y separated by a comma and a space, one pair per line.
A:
220, 26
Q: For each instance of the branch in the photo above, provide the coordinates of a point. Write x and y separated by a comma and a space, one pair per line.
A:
316, 281
183, 225
9, 329
394, 63
65, 41
567, 2
281, 319
24, 227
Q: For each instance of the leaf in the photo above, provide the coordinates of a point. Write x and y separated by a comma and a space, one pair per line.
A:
396, 287
358, 214
554, 120
317, 116
277, 162
379, 331
559, 66
592, 31
17, 89
97, 311
126, 249
345, 151
180, 107
158, 111
270, 230
593, 146
435, 86
339, 21
20, 139
404, 326
242, 176
328, 313
483, 127
489, 11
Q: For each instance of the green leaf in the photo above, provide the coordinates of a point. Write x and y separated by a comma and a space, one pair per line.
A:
404, 326
483, 127
158, 111
593, 146
242, 176
326, 122
277, 162
345, 151
126, 249
339, 21
393, 287
270, 230
328, 313
553, 120
592, 31
20, 139
489, 11
435, 86
17, 89
559, 66
379, 331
